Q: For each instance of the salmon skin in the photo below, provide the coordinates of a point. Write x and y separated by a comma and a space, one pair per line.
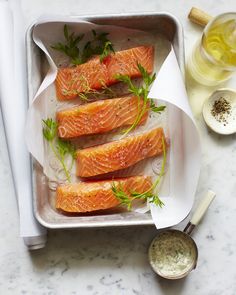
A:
119, 154
95, 75
99, 117
91, 196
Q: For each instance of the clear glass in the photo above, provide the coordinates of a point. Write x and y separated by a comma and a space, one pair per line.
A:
213, 59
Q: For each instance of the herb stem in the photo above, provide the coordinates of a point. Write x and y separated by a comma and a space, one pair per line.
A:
71, 164
59, 147
61, 160
142, 93
161, 172
138, 118
126, 199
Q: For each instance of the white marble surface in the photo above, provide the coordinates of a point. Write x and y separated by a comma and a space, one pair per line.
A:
114, 261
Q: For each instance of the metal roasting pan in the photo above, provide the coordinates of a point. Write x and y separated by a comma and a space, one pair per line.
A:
160, 22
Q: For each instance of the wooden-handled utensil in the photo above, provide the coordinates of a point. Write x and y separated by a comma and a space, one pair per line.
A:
173, 254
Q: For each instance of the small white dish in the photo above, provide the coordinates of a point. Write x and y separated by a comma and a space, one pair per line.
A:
222, 124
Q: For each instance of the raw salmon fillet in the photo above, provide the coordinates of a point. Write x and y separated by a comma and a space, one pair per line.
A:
72, 81
119, 154
91, 196
98, 117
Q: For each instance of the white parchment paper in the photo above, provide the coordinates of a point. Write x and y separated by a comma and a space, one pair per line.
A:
180, 181
185, 145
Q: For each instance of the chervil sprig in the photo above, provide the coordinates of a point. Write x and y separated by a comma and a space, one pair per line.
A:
65, 147
59, 147
156, 109
107, 50
120, 194
49, 129
98, 45
142, 93
70, 47
149, 195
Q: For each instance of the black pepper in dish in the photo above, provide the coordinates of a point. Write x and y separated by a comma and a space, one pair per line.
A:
221, 109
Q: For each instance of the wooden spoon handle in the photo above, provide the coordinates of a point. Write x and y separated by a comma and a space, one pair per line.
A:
202, 207
199, 17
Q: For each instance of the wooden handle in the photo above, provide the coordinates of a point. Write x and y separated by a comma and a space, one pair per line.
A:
202, 207
199, 17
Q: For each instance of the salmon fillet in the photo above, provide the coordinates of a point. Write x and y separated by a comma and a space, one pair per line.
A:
90, 196
72, 81
98, 117
119, 154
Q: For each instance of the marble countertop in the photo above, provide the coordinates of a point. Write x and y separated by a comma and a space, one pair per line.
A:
114, 261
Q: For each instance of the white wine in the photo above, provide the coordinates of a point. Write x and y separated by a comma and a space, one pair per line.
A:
214, 58
220, 43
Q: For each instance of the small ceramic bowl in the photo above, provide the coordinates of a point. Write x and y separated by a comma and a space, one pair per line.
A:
225, 124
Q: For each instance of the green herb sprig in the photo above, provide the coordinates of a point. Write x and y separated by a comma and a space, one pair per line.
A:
156, 109
98, 45
70, 48
119, 193
59, 147
149, 195
142, 93
107, 50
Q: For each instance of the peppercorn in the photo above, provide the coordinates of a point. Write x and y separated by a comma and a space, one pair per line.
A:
221, 109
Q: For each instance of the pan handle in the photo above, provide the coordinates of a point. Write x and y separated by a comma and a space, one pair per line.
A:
200, 211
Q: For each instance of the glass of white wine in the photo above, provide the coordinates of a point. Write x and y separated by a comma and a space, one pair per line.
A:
213, 59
